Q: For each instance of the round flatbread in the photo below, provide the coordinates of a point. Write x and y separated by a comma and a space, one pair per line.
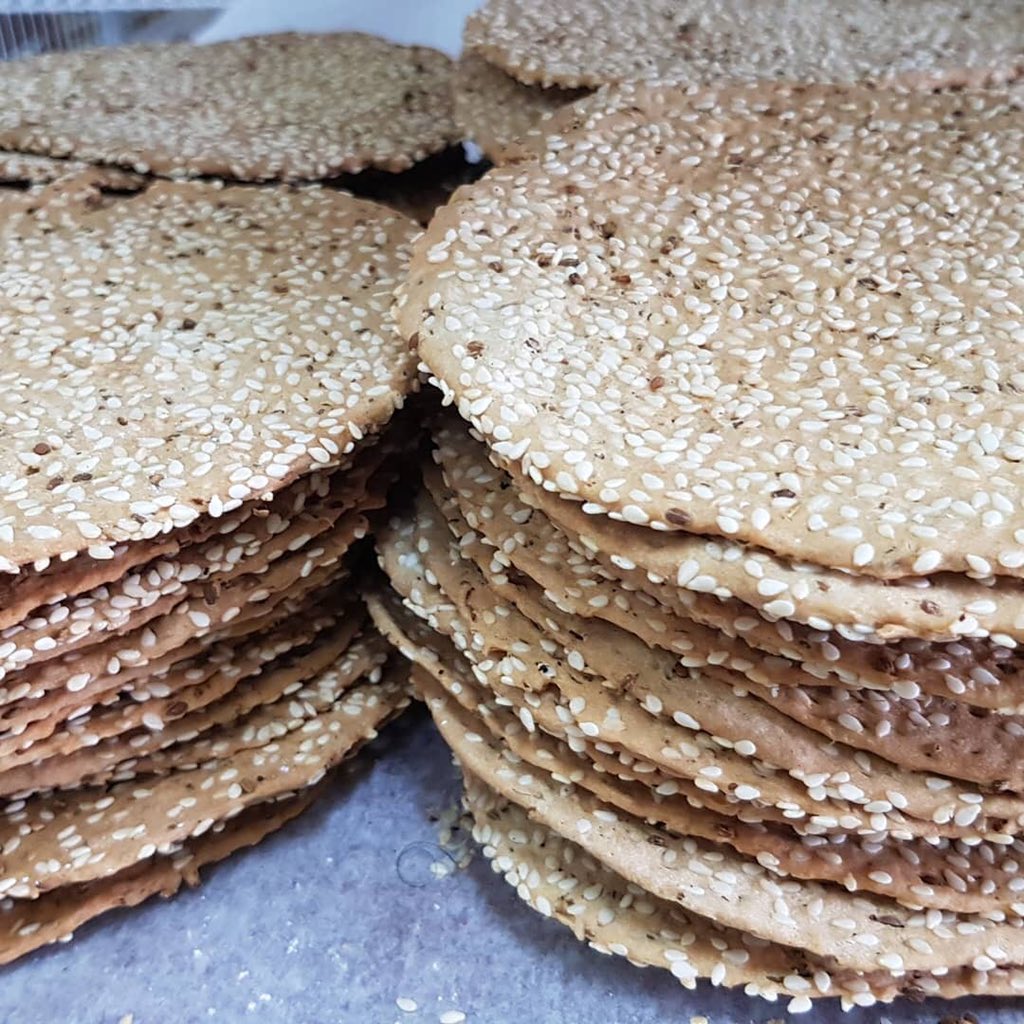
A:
130, 821
778, 315
942, 873
29, 925
795, 913
592, 583
559, 880
184, 350
595, 42
283, 107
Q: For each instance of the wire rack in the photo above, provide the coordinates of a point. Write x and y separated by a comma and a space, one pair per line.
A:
29, 27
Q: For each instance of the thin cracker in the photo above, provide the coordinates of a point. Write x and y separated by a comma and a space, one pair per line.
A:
279, 107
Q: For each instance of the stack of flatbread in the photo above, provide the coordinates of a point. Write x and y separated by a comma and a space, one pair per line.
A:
194, 393
195, 386
714, 586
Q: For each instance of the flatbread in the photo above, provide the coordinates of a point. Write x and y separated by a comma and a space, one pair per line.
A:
64, 839
53, 580
923, 732
709, 762
594, 42
582, 579
607, 667
173, 409
187, 684
858, 932
862, 609
253, 716
618, 363
437, 655
64, 687
150, 736
281, 107
614, 916
947, 874
158, 586
29, 925
30, 169
494, 110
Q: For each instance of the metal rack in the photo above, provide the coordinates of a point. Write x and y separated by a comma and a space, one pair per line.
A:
29, 27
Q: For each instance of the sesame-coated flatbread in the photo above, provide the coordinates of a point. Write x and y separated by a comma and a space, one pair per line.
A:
947, 874
586, 656
63, 687
284, 107
614, 319
115, 827
858, 931
33, 169
188, 682
731, 782
114, 739
561, 881
26, 925
710, 763
613, 916
944, 606
29, 181
588, 582
252, 716
493, 109
437, 655
924, 732
53, 580
926, 43
158, 586
144, 677
687, 723
162, 398
199, 658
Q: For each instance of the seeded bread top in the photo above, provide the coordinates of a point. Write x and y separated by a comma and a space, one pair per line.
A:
597, 42
291, 107
185, 349
789, 316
